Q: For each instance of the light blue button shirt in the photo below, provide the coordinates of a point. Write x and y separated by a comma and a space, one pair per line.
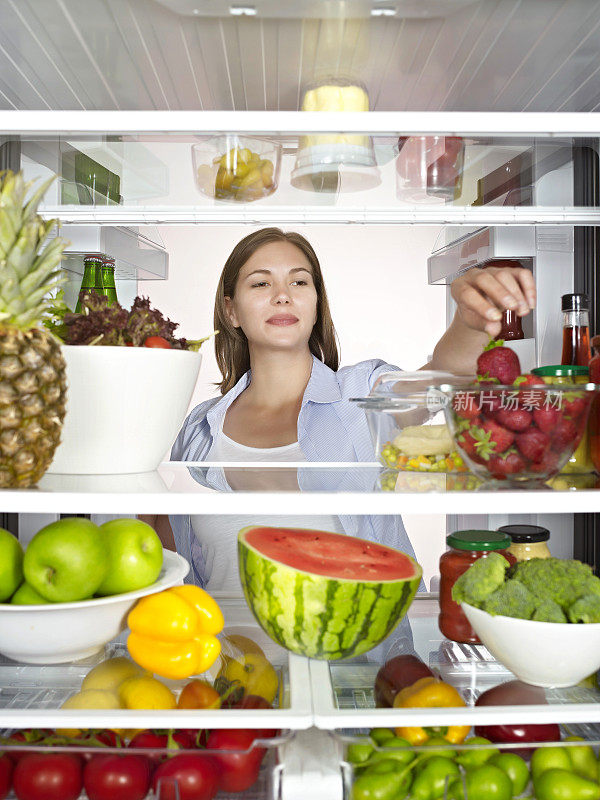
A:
330, 428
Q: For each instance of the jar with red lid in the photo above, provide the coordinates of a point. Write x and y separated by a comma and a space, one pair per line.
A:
465, 547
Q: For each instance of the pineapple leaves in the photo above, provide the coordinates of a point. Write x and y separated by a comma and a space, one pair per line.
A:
28, 274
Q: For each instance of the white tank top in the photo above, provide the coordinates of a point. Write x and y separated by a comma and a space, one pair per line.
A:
217, 533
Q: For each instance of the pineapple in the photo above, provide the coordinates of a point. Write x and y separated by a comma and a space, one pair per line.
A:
32, 368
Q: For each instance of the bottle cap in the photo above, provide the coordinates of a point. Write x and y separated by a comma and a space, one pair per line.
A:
561, 371
92, 257
478, 540
524, 534
575, 302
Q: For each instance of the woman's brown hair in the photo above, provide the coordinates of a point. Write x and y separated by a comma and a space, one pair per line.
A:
231, 345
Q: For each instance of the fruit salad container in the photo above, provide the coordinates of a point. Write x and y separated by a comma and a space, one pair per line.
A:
236, 168
55, 633
517, 434
407, 425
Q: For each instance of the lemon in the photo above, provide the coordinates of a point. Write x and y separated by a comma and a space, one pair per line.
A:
87, 699
92, 698
110, 673
146, 692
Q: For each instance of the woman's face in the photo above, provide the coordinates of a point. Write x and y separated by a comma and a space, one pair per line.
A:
275, 301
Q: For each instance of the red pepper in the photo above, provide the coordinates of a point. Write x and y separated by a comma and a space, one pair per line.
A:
518, 694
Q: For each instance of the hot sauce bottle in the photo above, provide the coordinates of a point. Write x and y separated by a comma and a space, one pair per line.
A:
576, 330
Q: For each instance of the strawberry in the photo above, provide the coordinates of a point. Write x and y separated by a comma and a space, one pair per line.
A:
528, 397
498, 362
574, 404
524, 381
564, 434
492, 439
546, 418
466, 405
516, 419
548, 465
533, 444
510, 464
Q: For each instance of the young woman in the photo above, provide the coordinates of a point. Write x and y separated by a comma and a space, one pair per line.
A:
283, 396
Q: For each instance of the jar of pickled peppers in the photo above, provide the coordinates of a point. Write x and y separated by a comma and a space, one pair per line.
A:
464, 548
581, 460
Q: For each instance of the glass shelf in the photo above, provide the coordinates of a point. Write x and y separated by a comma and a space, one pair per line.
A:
313, 488
31, 694
343, 691
364, 167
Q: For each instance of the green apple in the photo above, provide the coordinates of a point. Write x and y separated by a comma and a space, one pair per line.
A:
26, 595
135, 556
66, 561
11, 564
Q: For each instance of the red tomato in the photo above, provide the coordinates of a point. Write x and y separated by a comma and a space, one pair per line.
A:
157, 341
196, 776
238, 769
6, 768
116, 777
48, 776
159, 741
199, 694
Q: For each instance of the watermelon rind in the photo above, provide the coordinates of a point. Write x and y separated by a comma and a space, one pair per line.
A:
317, 616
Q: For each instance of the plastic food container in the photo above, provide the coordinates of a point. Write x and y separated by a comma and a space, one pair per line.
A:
236, 168
335, 162
580, 462
407, 424
429, 167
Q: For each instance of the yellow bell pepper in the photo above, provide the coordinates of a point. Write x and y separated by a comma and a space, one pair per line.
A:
430, 693
173, 633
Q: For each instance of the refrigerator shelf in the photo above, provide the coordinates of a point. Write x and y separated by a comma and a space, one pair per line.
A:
253, 214
343, 691
302, 488
31, 694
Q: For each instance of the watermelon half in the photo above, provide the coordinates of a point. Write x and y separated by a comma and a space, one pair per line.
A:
324, 595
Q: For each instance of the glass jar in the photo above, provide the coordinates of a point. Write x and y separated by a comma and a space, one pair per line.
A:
528, 541
581, 460
465, 547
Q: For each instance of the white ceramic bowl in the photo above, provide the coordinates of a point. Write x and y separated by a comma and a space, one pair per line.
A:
125, 406
59, 632
548, 654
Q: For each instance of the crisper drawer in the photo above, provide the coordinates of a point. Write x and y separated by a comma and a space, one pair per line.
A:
344, 691
567, 770
108, 773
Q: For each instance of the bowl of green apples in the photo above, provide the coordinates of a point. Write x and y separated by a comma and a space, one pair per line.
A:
69, 592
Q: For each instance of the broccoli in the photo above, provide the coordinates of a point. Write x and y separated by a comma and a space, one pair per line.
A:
560, 580
512, 599
585, 609
480, 580
548, 611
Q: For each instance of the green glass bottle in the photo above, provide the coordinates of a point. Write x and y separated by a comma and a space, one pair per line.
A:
108, 280
92, 277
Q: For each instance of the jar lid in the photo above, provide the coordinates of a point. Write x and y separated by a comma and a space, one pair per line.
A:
575, 302
478, 540
560, 371
523, 534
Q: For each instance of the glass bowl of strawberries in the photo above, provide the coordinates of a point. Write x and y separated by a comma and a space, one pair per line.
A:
513, 427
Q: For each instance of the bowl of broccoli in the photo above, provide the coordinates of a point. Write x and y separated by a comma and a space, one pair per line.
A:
540, 618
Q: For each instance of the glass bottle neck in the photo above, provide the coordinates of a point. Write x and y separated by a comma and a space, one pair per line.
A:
576, 319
